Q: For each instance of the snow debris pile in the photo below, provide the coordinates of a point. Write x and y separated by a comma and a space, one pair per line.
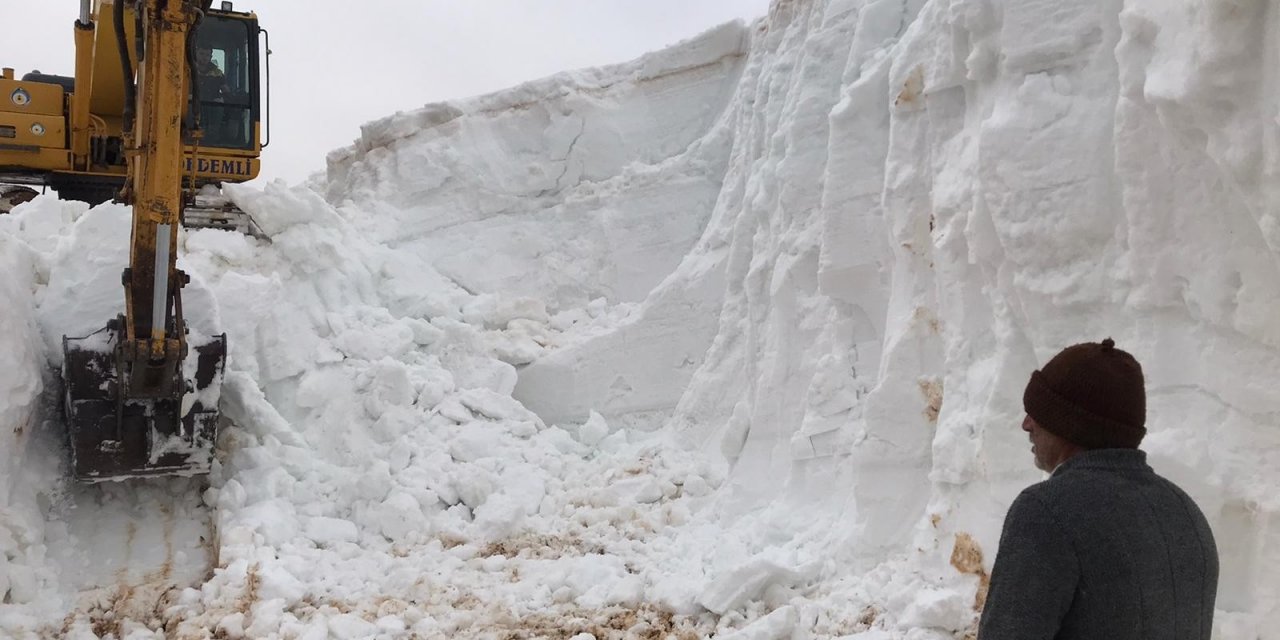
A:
727, 340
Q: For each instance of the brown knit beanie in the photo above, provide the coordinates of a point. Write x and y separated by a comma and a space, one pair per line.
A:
1091, 394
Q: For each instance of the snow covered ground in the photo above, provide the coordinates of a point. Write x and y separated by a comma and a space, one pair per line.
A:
727, 340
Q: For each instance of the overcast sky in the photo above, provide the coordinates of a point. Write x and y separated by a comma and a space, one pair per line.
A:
338, 64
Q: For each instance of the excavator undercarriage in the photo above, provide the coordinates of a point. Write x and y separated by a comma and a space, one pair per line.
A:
216, 211
207, 209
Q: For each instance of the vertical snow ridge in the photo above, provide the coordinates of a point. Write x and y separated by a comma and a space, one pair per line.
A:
995, 185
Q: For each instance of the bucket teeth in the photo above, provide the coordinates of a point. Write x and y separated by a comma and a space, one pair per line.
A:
114, 436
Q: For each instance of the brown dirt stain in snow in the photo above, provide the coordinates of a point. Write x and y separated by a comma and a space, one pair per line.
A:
252, 582
111, 608
868, 617
912, 88
931, 389
966, 557
530, 545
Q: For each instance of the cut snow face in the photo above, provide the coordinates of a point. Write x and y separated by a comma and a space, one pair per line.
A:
727, 340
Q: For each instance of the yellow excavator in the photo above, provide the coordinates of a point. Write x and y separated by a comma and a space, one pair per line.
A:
164, 101
68, 132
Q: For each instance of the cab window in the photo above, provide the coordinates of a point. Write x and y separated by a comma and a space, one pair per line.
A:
224, 71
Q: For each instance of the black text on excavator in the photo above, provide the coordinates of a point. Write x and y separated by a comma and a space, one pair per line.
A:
141, 394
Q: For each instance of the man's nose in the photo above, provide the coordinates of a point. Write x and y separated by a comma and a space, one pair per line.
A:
1026, 424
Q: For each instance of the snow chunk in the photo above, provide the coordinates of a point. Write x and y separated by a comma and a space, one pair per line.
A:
749, 581
779, 624
938, 608
330, 531
593, 430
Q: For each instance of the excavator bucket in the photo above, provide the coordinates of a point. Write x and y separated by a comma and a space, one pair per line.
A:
13, 195
114, 436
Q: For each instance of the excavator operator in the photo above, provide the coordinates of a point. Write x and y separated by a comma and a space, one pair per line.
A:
214, 88
213, 82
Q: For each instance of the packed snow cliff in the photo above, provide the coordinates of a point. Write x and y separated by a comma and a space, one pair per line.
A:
727, 340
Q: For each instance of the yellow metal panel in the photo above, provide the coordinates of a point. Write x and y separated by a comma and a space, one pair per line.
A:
96, 174
35, 159
31, 97
80, 121
115, 125
225, 152
106, 94
26, 129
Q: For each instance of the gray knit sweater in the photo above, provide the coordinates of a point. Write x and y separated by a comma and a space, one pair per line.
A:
1103, 549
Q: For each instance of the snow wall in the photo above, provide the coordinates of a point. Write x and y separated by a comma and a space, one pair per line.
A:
792, 277
918, 203
21, 386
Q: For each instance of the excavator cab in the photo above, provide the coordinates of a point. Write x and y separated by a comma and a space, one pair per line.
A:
227, 74
225, 99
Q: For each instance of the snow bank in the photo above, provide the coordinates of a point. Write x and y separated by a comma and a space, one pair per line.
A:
375, 476
921, 202
22, 380
586, 184
729, 340
994, 185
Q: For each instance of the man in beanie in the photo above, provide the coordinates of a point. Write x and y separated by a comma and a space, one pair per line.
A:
1104, 548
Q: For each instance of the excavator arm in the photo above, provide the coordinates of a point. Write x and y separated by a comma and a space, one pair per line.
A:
154, 341
138, 402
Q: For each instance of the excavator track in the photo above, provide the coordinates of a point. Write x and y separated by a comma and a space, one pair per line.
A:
215, 211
